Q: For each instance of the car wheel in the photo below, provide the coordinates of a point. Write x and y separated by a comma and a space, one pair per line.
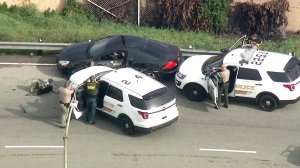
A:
153, 75
194, 92
127, 125
76, 69
267, 103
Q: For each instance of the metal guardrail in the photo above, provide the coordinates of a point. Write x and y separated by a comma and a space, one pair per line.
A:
191, 52
59, 46
33, 45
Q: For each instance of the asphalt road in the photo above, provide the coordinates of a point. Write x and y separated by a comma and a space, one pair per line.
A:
241, 136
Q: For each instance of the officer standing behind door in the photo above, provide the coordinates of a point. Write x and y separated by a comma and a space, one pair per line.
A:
223, 86
64, 97
91, 90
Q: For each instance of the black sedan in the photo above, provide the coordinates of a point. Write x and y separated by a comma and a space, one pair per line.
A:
150, 57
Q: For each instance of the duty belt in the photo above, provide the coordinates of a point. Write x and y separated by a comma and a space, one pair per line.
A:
66, 104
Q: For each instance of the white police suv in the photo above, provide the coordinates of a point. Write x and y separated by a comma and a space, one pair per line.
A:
136, 100
269, 78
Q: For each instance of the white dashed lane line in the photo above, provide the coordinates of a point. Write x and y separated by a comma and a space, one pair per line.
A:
11, 147
227, 150
31, 64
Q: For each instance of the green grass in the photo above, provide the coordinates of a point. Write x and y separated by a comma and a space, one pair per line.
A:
27, 24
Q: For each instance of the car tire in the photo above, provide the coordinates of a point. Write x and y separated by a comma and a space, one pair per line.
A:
126, 125
153, 75
194, 92
267, 102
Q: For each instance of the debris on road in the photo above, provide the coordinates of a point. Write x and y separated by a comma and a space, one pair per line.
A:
39, 86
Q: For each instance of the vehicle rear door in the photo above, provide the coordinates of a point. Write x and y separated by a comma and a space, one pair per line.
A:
249, 83
113, 102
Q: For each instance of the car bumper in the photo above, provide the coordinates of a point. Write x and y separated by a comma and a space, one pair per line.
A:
173, 71
141, 129
179, 83
284, 102
62, 69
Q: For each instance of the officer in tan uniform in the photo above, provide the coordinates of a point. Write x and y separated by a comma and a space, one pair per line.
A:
64, 97
223, 86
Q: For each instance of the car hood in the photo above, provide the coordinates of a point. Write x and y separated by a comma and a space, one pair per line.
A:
193, 64
75, 51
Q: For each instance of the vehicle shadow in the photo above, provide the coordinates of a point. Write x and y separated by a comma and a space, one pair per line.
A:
42, 108
292, 153
45, 108
182, 101
50, 62
207, 104
107, 123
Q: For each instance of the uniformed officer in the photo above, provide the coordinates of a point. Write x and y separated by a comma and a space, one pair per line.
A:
64, 97
223, 86
91, 90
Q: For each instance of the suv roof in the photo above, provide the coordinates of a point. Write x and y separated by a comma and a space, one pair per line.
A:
271, 62
133, 80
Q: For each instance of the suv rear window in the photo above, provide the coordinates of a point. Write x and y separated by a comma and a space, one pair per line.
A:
153, 99
287, 77
292, 72
278, 76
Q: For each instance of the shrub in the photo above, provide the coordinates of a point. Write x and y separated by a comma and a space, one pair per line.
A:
73, 9
213, 15
3, 7
208, 15
179, 14
268, 19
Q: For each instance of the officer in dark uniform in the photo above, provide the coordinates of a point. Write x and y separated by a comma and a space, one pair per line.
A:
91, 90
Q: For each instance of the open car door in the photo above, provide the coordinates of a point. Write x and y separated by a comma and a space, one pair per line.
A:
212, 85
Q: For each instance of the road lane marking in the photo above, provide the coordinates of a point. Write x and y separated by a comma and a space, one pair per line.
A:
227, 150
31, 64
34, 146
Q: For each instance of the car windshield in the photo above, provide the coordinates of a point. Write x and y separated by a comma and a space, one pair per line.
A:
99, 75
292, 72
215, 61
158, 98
285, 77
153, 99
99, 46
156, 49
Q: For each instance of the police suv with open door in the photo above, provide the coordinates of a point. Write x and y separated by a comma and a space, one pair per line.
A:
135, 99
268, 77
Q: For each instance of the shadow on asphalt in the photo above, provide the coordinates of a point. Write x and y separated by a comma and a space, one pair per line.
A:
48, 60
41, 109
292, 154
207, 103
202, 106
44, 108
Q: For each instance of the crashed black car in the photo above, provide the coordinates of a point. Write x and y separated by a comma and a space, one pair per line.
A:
150, 57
